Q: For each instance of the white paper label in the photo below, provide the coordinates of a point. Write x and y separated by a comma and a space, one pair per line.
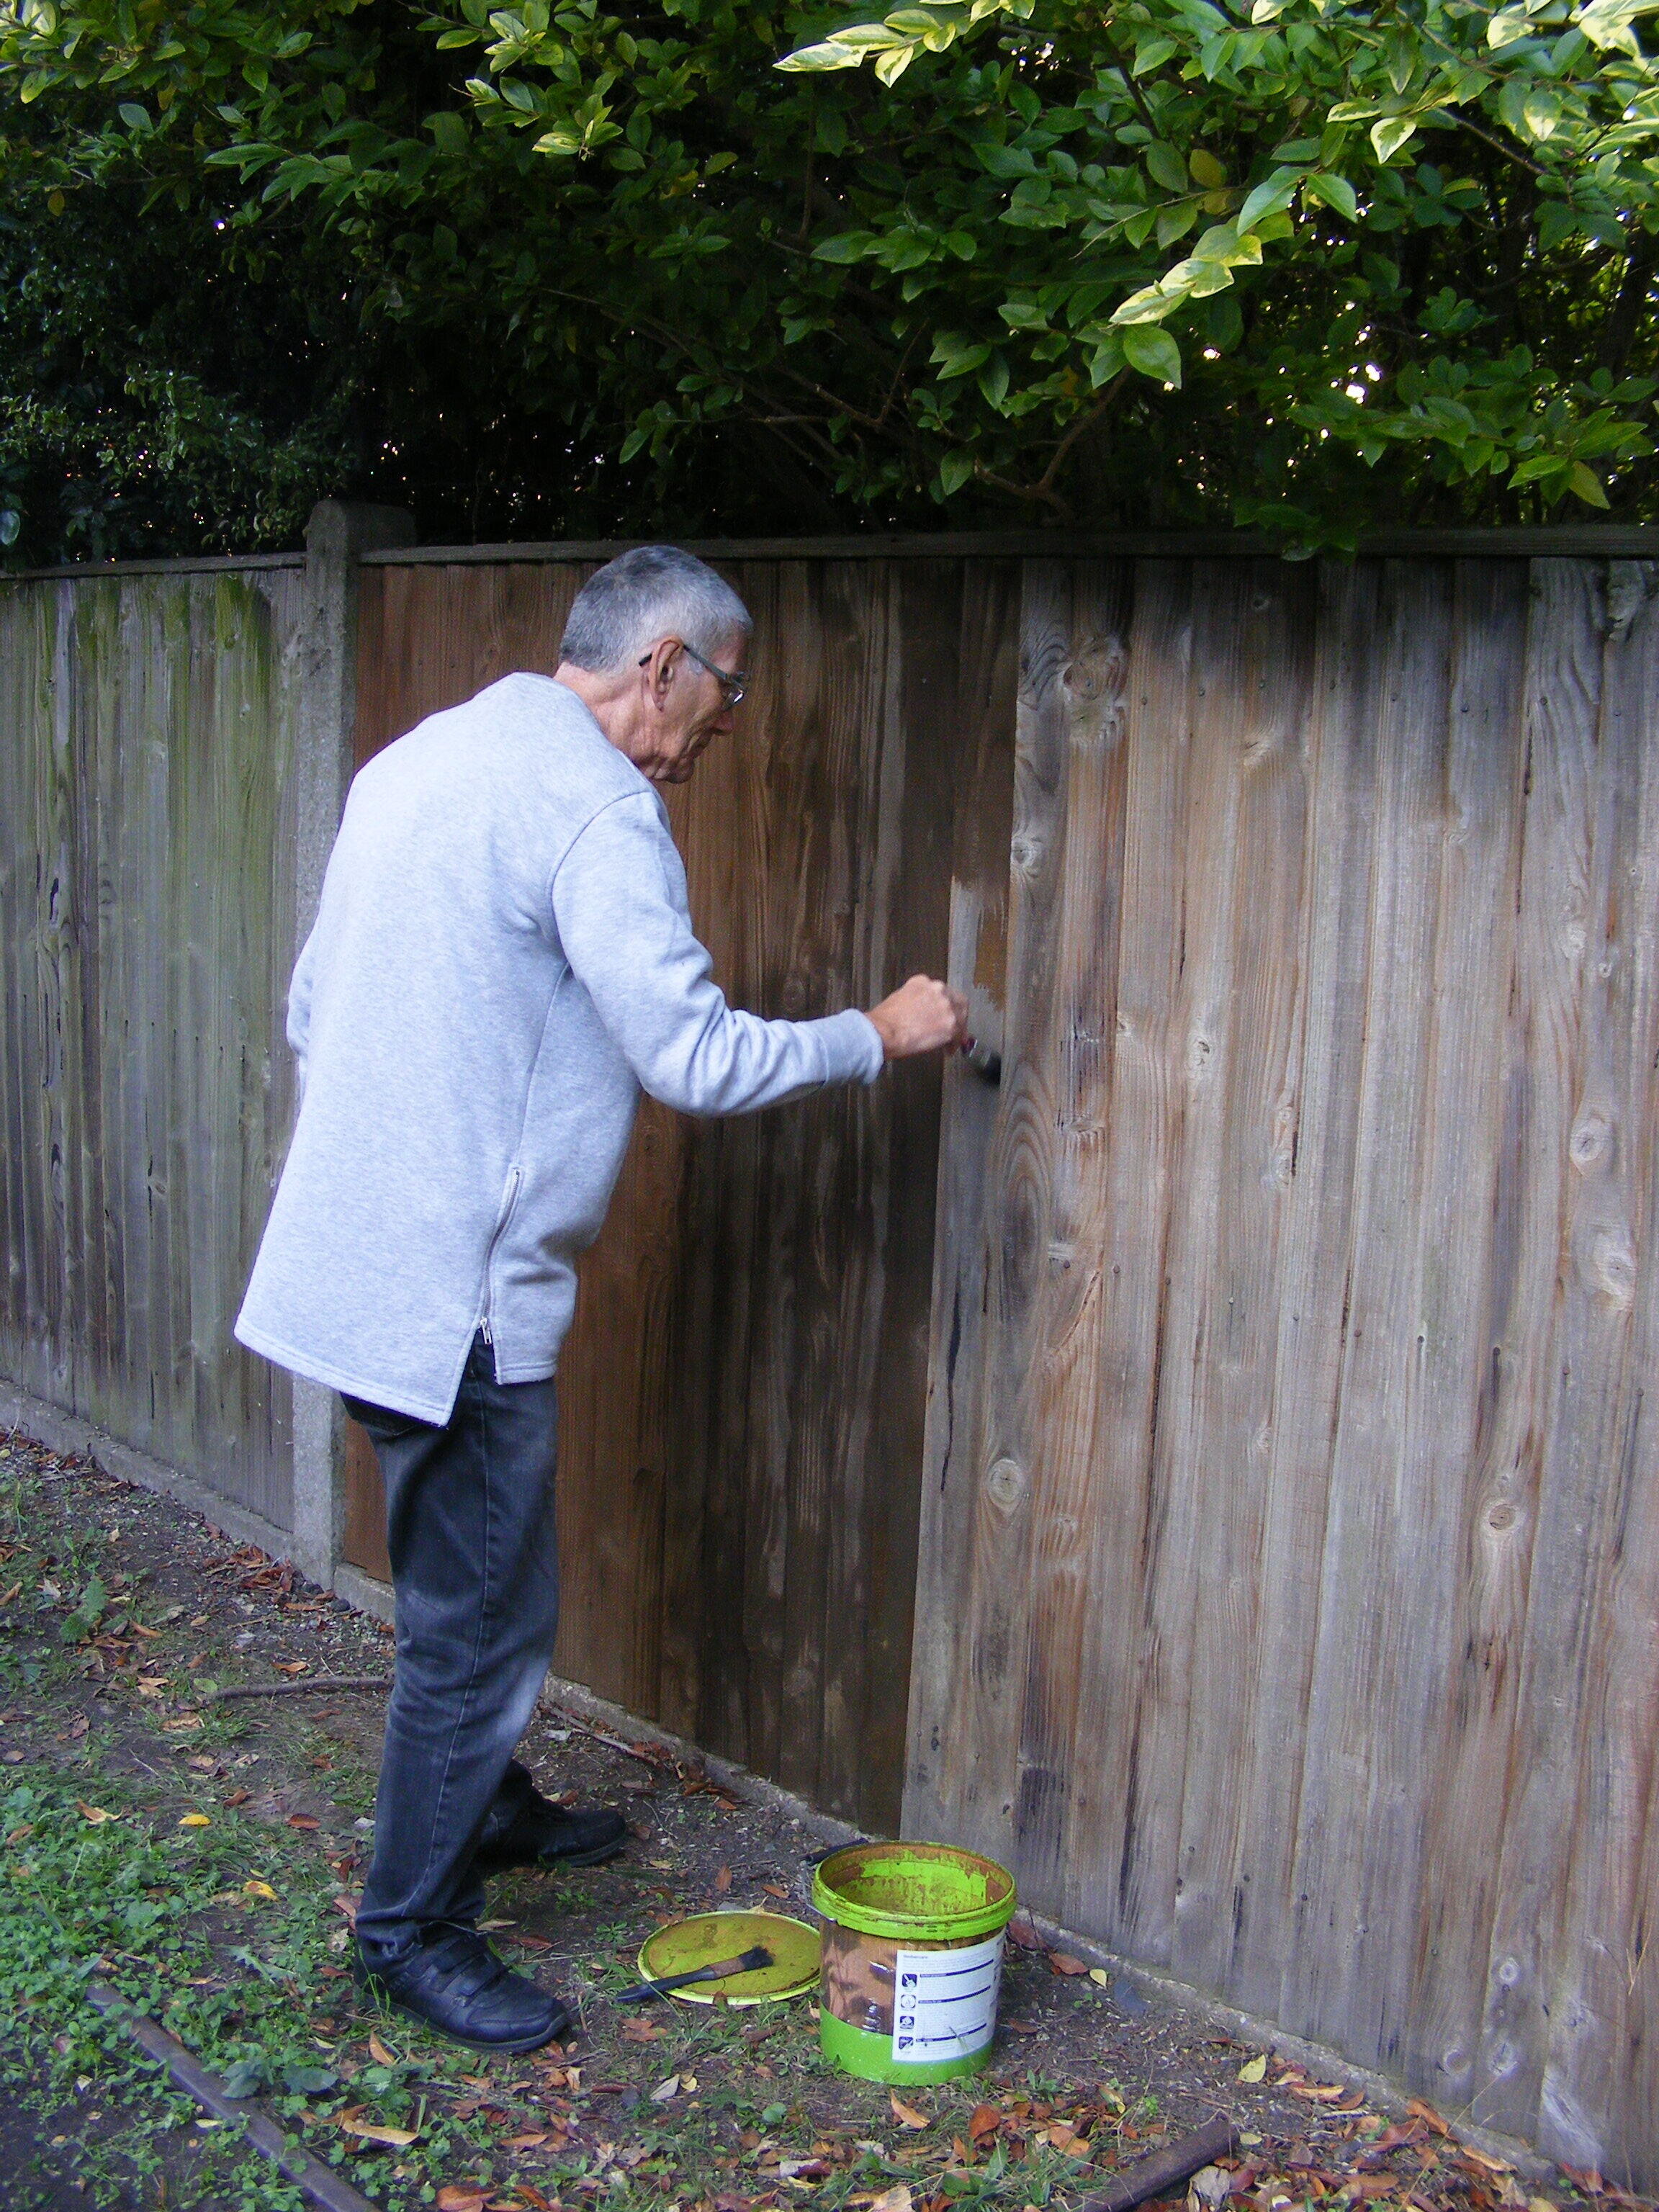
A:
945, 2003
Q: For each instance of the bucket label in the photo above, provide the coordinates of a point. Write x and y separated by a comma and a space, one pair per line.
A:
945, 2003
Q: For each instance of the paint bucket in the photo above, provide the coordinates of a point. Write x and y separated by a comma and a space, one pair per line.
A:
912, 1959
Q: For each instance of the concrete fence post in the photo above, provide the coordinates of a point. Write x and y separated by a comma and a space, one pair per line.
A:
338, 533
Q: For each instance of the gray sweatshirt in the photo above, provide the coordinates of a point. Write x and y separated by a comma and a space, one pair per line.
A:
503, 957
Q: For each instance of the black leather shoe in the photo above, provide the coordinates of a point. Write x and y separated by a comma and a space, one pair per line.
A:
540, 1834
451, 1978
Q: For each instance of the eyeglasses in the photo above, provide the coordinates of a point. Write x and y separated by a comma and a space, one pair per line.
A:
733, 684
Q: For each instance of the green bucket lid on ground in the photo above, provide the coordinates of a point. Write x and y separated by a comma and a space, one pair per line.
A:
706, 1937
922, 1892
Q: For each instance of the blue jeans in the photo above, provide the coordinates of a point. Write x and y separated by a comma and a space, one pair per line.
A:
475, 1566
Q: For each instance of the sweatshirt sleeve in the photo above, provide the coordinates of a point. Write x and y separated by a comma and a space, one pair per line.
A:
620, 906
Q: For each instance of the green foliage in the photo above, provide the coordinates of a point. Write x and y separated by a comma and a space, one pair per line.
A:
1291, 262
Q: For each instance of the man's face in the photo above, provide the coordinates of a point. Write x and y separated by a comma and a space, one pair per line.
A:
688, 707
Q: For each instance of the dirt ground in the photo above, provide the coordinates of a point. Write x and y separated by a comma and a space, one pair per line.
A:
203, 1856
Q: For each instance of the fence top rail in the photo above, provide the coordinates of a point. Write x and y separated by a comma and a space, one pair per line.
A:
187, 564
1565, 541
1573, 541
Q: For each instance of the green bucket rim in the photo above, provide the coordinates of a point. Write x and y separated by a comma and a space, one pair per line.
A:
928, 1927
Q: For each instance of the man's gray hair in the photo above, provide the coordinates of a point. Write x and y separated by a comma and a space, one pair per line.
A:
655, 591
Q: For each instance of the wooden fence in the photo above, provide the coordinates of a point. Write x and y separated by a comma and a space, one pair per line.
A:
1289, 1559
742, 1397
146, 932
1250, 1395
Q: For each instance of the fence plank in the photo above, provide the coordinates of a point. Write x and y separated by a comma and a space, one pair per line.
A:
1600, 2060
977, 1778
146, 849
1253, 644
1559, 1331
1055, 1413
1106, 1877
981, 825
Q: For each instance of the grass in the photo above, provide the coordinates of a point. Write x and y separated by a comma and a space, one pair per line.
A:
121, 1860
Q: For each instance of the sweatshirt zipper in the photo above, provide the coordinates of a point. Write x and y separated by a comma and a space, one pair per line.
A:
486, 1326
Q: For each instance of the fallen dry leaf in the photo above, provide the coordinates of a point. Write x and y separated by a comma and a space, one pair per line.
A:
1480, 2158
378, 2051
723, 1881
642, 2031
986, 2121
532, 2141
907, 2115
450, 2199
897, 2199
352, 2123
774, 1889
664, 2090
291, 1666
1419, 2111
302, 1820
1021, 1931
1317, 2092
94, 1815
1064, 1962
238, 1796
1253, 2069
257, 1889
194, 1820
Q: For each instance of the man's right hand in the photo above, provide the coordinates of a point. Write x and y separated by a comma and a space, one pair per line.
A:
921, 1015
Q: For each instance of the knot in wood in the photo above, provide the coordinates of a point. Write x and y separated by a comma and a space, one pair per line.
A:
1004, 1483
1502, 1515
1613, 1265
1591, 1140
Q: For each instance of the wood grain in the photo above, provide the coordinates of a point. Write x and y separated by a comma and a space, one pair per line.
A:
145, 877
1302, 1638
742, 1394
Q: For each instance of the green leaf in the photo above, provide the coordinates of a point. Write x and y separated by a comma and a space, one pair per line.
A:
1269, 198
994, 378
1154, 353
1166, 166
1151, 54
1584, 480
10, 523
308, 2081
954, 471
1336, 192
246, 2077
851, 246
1393, 132
1206, 169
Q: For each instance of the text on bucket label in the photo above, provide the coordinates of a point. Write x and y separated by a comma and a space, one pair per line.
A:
945, 2003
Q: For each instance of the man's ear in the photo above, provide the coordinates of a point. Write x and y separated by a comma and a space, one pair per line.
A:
660, 669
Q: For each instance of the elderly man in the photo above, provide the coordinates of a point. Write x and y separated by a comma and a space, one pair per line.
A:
503, 959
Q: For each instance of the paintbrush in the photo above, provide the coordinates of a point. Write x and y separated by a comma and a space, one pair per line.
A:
748, 1962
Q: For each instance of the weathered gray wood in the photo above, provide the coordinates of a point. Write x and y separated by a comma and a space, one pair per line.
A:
146, 895
1601, 2058
1320, 1326
977, 966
